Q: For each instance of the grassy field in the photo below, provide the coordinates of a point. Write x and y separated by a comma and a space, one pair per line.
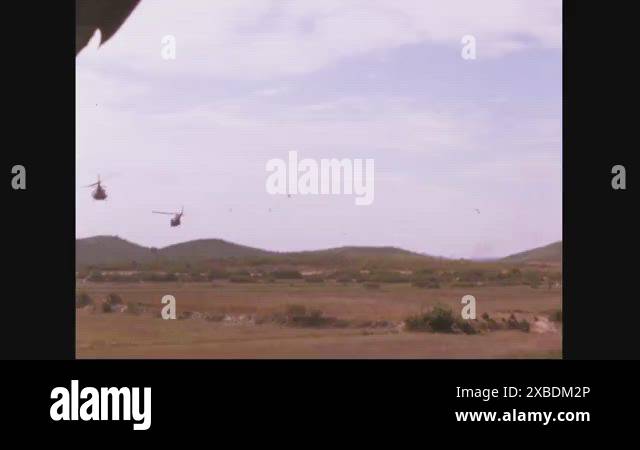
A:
232, 320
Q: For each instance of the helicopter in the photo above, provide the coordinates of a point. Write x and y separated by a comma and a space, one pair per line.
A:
175, 220
98, 193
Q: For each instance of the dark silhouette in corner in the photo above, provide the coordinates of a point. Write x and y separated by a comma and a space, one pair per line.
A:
104, 15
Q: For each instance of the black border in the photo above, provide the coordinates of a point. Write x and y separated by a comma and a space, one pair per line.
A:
39, 222
600, 225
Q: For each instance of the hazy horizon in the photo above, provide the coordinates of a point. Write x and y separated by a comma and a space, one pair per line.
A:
274, 250
468, 153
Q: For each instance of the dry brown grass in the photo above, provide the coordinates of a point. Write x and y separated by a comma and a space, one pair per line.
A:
122, 335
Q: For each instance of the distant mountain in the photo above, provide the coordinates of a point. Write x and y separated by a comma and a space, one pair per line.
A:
110, 250
113, 250
548, 253
358, 252
202, 249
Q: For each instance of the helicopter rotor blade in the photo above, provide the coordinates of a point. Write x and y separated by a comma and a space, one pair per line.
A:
162, 212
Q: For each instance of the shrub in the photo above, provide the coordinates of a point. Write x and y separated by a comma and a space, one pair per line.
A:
514, 324
299, 316
241, 279
217, 274
286, 274
240, 273
111, 302
134, 308
533, 279
313, 319
345, 276
83, 299
213, 317
490, 323
114, 299
197, 277
472, 276
158, 277
314, 279
372, 286
95, 276
466, 326
556, 316
388, 277
296, 310
464, 284
430, 283
439, 320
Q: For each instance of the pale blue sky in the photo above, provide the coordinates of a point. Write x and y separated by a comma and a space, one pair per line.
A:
253, 79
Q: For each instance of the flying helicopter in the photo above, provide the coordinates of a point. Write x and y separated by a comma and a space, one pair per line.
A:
175, 220
98, 193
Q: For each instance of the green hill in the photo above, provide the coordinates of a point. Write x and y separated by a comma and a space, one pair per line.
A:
203, 249
112, 250
551, 253
115, 251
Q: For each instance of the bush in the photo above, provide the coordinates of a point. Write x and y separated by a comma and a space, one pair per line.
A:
158, 277
111, 302
241, 279
514, 324
556, 316
466, 326
197, 277
388, 277
83, 299
95, 276
314, 279
464, 285
299, 316
313, 319
372, 286
430, 283
472, 276
217, 274
114, 299
491, 324
296, 310
533, 279
134, 308
441, 319
438, 320
286, 274
345, 276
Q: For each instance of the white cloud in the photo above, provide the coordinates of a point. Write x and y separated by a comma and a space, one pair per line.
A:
272, 92
265, 39
175, 138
